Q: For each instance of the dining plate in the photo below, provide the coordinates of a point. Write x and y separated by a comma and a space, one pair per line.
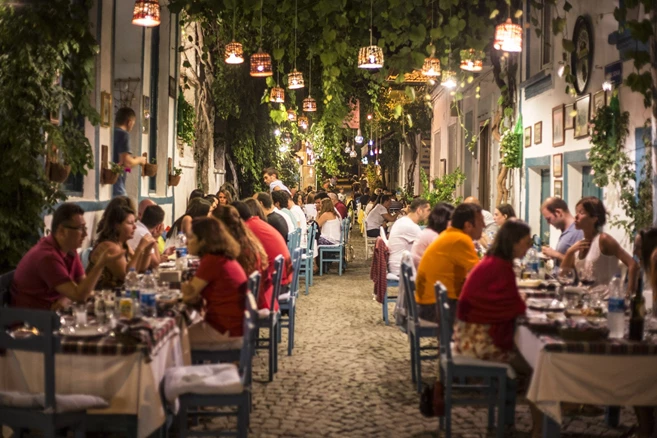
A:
168, 265
529, 283
86, 331
545, 304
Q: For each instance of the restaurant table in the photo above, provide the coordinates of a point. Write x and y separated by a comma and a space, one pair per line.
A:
609, 372
126, 374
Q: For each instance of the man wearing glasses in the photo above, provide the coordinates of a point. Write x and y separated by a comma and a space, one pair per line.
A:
51, 275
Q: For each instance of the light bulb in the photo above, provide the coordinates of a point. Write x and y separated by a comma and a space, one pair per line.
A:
372, 152
277, 132
606, 85
369, 117
347, 149
371, 142
283, 148
561, 69
376, 162
353, 154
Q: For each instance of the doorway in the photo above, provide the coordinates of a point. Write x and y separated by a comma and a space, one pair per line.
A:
545, 193
484, 168
588, 186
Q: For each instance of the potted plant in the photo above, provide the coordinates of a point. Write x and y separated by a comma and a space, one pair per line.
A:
174, 176
58, 172
111, 174
150, 169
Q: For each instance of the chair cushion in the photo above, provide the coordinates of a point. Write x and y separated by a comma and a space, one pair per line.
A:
284, 297
460, 359
222, 378
392, 277
64, 402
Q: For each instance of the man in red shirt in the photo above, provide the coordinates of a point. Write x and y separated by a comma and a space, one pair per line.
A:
51, 273
339, 206
272, 242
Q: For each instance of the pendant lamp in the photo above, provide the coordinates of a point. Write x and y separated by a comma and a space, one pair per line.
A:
234, 50
472, 60
295, 78
303, 122
291, 115
508, 37
261, 61
146, 13
277, 95
448, 79
371, 56
431, 66
309, 104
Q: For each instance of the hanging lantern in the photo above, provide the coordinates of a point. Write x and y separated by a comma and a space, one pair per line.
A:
472, 60
347, 148
353, 153
295, 80
261, 64
370, 57
359, 137
146, 13
277, 95
234, 53
448, 79
508, 37
372, 152
309, 105
291, 115
431, 67
303, 122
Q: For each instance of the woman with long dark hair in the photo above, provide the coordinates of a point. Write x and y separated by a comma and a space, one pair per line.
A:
219, 282
198, 207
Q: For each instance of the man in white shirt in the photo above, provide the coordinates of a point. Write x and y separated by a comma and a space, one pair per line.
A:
270, 176
404, 232
379, 216
489, 221
152, 222
280, 199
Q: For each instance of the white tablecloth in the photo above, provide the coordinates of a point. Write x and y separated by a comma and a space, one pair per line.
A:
129, 383
608, 380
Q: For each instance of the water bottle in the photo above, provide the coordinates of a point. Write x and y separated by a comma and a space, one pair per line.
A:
147, 294
532, 263
181, 251
132, 284
616, 310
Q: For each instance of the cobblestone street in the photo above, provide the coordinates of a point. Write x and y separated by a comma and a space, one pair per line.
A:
349, 375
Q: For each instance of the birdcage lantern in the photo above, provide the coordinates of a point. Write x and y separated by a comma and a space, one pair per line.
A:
508, 37
309, 104
370, 57
303, 122
291, 115
261, 64
431, 67
277, 95
472, 60
234, 53
295, 80
146, 13
448, 79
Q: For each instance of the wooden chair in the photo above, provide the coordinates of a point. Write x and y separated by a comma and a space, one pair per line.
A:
415, 327
307, 258
496, 376
268, 320
288, 301
47, 411
337, 249
227, 385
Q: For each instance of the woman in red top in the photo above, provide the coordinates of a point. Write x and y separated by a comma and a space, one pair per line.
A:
252, 255
220, 281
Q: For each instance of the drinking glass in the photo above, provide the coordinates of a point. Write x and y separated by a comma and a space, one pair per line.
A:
80, 312
566, 276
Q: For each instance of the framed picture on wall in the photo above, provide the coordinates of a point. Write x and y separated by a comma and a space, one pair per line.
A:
558, 188
599, 101
569, 112
105, 109
558, 138
557, 165
538, 133
583, 108
528, 136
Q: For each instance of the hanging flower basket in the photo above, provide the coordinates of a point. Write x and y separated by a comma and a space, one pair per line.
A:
58, 172
174, 180
150, 169
108, 176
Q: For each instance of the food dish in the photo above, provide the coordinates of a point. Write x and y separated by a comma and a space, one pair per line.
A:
85, 331
529, 283
545, 304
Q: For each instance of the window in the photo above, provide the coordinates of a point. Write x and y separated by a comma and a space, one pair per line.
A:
546, 35
73, 184
539, 53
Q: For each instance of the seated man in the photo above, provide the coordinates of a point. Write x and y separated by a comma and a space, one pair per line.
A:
339, 205
449, 259
281, 199
405, 231
50, 275
274, 219
151, 223
379, 216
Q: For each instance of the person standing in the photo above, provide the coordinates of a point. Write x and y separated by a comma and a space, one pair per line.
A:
449, 259
124, 121
270, 176
556, 213
405, 231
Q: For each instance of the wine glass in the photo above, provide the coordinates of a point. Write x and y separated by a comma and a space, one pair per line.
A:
586, 279
566, 277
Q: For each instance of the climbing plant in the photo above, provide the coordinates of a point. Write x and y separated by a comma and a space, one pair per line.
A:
442, 189
186, 120
47, 55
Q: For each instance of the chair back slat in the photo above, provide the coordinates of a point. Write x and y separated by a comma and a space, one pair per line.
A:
246, 354
44, 323
6, 280
276, 278
409, 287
382, 233
253, 283
445, 329
296, 267
310, 244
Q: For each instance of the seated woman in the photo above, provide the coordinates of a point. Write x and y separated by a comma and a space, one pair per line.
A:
219, 281
597, 255
490, 303
213, 200
329, 223
117, 228
502, 213
224, 197
252, 256
438, 222
198, 207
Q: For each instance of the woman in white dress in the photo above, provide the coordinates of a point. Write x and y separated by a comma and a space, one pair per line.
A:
597, 255
329, 224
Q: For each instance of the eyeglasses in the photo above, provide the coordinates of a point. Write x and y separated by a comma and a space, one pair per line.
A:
82, 228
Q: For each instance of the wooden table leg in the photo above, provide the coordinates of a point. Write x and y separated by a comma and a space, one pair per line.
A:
612, 416
551, 429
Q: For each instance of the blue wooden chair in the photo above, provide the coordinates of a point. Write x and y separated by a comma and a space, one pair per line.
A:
391, 281
230, 355
268, 320
294, 240
307, 258
496, 376
47, 411
288, 301
337, 249
415, 327
6, 280
230, 386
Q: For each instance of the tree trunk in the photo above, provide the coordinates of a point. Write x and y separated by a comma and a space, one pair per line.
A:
410, 172
502, 192
653, 112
